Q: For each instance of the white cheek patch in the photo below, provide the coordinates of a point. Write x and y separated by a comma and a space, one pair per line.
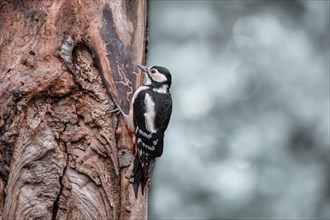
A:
150, 114
158, 77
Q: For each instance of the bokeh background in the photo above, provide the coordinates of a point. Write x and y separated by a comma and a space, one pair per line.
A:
249, 135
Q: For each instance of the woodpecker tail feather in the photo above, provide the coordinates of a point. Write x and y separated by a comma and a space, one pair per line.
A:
138, 177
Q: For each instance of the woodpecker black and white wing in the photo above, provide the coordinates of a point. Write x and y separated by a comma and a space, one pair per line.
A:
149, 136
164, 111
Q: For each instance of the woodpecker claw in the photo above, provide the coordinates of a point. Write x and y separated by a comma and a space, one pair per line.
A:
117, 111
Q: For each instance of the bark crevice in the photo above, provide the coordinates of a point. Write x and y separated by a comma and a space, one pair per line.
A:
56, 205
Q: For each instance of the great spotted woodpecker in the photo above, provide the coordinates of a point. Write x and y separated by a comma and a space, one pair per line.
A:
148, 117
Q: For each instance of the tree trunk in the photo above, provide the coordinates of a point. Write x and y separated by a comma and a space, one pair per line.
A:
63, 65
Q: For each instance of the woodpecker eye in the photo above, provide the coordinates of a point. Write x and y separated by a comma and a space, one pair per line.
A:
153, 71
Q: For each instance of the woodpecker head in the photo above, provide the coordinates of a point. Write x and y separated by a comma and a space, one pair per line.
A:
157, 76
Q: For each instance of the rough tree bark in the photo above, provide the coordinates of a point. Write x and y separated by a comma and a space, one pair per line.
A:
63, 66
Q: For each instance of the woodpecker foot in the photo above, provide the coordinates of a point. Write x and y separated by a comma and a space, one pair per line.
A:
117, 111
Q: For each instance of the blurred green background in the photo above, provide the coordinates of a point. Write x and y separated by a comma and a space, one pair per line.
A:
249, 134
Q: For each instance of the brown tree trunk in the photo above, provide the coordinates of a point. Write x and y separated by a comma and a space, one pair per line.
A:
63, 65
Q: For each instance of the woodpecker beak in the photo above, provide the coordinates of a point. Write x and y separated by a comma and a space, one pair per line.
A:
143, 68
147, 80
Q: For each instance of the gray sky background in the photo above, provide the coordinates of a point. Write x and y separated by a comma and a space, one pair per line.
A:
249, 134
